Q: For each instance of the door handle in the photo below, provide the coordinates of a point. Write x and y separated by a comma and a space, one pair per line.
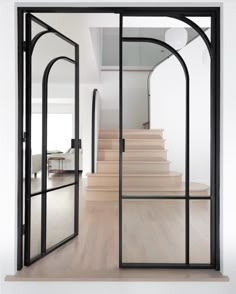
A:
79, 143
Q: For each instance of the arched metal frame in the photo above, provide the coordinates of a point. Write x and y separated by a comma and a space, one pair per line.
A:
44, 151
214, 238
201, 34
198, 30
30, 46
186, 73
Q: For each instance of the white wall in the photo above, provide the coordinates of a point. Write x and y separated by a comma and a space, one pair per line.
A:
135, 106
168, 109
8, 175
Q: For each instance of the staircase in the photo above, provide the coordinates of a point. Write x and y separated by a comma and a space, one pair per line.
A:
146, 170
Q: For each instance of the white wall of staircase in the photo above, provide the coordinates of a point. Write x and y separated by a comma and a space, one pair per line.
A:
168, 108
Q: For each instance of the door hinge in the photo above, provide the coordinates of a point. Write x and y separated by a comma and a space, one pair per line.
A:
24, 46
24, 137
79, 143
123, 145
23, 229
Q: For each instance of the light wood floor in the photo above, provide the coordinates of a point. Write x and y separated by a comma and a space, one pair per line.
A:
153, 231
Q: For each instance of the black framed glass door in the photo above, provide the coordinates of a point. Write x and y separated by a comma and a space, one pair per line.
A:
169, 218
51, 139
186, 15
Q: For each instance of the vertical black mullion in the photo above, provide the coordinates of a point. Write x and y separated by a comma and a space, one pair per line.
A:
187, 152
28, 93
217, 126
77, 116
93, 131
120, 133
216, 195
215, 138
44, 162
212, 155
20, 24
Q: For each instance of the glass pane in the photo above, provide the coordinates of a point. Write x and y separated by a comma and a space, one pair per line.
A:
35, 233
153, 231
60, 215
197, 58
60, 84
154, 110
61, 156
199, 231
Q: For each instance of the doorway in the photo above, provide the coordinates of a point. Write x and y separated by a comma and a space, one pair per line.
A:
135, 204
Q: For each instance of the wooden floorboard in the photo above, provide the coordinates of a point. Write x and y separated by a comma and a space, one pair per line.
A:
153, 232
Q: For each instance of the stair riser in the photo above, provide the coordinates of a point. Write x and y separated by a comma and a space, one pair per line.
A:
140, 181
135, 155
135, 181
133, 168
102, 195
131, 145
102, 181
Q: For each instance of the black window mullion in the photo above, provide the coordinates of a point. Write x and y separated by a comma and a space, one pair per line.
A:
28, 93
77, 109
120, 134
44, 161
187, 171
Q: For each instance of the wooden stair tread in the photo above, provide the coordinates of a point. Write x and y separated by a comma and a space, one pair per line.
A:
134, 150
133, 161
133, 139
164, 174
193, 187
132, 130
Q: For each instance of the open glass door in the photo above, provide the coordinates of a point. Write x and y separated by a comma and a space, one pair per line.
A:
167, 175
51, 139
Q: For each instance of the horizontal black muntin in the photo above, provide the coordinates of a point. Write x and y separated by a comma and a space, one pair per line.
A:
127, 11
167, 265
53, 189
143, 197
51, 249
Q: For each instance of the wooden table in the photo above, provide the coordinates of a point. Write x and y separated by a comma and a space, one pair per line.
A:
60, 160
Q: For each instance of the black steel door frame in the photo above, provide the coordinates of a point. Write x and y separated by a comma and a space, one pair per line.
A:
180, 13
214, 196
25, 59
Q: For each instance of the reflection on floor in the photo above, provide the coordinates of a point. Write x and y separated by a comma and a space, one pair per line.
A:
153, 232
